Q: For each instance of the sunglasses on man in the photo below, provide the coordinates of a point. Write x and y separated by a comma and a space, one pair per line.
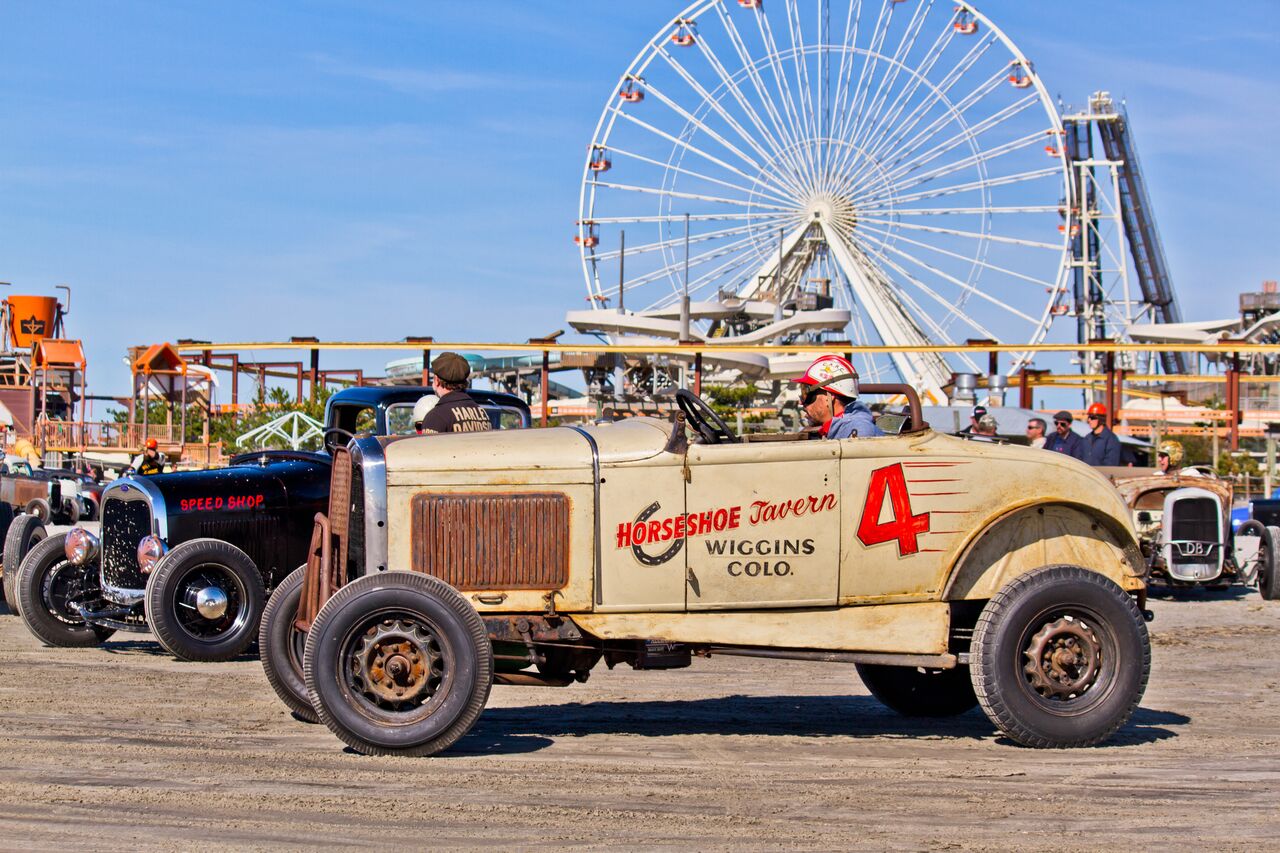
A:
811, 395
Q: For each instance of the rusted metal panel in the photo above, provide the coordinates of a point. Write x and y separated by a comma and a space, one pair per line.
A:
327, 555
317, 583
492, 540
340, 498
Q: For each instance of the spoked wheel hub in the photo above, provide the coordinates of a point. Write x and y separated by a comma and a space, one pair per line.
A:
398, 663
1063, 659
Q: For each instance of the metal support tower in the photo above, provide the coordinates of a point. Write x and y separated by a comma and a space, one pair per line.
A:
1114, 212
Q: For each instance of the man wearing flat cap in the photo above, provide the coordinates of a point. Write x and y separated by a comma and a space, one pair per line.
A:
1063, 440
455, 410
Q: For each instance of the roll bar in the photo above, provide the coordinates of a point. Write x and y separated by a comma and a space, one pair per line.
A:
913, 400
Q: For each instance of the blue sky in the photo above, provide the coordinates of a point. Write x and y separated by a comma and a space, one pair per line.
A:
371, 170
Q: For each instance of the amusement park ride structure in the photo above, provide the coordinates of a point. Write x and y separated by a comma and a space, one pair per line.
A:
883, 173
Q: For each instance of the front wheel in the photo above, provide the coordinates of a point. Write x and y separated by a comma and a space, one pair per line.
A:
918, 692
39, 507
204, 600
1269, 572
398, 663
281, 646
48, 586
1060, 658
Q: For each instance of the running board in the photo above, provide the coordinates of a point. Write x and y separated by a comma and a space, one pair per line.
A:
943, 661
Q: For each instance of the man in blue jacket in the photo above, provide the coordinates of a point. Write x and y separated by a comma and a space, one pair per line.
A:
1063, 440
1101, 447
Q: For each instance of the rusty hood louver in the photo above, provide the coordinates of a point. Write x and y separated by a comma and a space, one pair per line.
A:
492, 541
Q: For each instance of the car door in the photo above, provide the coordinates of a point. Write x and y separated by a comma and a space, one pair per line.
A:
763, 525
643, 535
904, 509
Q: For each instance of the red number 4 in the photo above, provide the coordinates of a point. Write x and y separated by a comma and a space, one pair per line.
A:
903, 526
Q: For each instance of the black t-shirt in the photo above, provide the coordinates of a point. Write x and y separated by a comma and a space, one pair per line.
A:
150, 466
456, 412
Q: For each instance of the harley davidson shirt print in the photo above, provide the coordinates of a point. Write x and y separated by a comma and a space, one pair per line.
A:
456, 412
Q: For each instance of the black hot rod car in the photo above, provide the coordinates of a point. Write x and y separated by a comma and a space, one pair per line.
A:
193, 555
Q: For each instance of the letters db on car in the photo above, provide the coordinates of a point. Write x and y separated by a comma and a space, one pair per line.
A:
952, 573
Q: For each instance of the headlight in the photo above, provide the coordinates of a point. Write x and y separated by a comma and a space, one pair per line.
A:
150, 550
81, 546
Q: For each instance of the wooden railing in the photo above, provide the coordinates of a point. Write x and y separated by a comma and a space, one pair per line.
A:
72, 436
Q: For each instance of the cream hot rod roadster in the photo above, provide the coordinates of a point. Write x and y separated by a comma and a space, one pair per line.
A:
952, 573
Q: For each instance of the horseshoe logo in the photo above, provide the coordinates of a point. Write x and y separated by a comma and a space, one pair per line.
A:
666, 555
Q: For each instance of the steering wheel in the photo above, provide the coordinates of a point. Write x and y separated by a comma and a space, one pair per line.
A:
324, 436
704, 419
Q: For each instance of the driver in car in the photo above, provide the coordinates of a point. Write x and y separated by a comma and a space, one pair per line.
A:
831, 400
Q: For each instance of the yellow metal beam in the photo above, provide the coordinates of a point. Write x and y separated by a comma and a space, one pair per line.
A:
1224, 348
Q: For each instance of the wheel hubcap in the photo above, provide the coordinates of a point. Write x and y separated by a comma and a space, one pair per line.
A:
398, 662
211, 602
1063, 659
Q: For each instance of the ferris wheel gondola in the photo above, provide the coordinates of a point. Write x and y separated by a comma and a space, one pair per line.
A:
888, 155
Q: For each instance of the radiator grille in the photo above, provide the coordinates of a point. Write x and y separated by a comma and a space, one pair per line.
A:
340, 508
1194, 520
124, 523
492, 541
327, 554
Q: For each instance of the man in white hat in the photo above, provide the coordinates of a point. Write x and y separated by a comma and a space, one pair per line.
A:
831, 400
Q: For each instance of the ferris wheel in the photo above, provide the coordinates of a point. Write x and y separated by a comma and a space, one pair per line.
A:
897, 159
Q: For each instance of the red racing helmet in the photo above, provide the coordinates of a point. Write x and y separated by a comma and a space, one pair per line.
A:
832, 373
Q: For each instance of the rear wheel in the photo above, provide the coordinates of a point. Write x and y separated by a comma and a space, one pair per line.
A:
204, 600
48, 586
919, 692
282, 646
1060, 658
398, 663
73, 511
25, 532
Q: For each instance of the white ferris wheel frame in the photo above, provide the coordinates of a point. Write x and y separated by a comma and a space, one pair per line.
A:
927, 371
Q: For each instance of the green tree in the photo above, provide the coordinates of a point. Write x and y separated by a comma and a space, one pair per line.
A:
726, 400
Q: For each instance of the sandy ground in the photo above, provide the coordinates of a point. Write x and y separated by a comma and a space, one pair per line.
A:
125, 748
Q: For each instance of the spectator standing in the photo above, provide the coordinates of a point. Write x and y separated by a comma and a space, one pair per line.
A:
1063, 439
985, 428
1036, 428
1102, 448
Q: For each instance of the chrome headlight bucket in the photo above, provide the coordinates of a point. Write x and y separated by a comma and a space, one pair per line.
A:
150, 550
81, 546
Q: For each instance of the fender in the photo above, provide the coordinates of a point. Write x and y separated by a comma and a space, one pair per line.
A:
1028, 537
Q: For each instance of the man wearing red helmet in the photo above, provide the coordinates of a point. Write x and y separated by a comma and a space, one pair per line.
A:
831, 399
1101, 447
150, 460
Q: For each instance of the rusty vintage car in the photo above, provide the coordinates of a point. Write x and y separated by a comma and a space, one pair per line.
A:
1183, 520
951, 573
